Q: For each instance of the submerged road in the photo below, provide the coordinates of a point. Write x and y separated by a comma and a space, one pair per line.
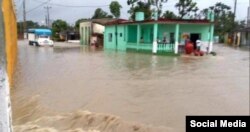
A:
52, 84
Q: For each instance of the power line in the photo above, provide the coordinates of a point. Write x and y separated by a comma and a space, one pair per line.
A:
235, 8
19, 8
47, 19
24, 16
38, 6
75, 6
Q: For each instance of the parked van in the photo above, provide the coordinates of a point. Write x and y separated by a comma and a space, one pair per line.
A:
40, 37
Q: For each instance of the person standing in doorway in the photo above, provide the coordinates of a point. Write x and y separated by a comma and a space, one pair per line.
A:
198, 44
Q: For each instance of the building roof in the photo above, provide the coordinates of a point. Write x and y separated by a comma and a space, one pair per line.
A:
40, 31
160, 20
243, 29
102, 21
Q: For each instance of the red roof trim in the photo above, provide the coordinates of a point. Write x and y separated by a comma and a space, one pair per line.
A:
161, 20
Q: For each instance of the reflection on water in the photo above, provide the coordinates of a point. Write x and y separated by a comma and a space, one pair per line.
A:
53, 85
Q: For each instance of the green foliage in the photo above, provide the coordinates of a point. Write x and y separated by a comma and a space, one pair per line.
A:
158, 4
224, 18
29, 24
186, 7
99, 13
57, 27
138, 6
115, 9
169, 15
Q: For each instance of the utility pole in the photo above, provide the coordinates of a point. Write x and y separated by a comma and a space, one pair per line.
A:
235, 8
48, 15
46, 21
24, 16
248, 15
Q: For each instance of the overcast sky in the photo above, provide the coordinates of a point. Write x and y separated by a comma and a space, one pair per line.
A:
71, 14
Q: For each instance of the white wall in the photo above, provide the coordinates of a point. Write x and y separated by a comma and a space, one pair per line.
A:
97, 28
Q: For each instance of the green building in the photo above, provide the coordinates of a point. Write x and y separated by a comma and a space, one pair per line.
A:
158, 35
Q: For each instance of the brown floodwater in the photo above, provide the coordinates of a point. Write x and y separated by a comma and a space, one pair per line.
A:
85, 89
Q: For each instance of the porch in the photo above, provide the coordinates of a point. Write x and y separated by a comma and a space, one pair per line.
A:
142, 36
166, 37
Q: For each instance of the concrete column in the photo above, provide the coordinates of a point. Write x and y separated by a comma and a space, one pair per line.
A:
138, 35
155, 44
210, 48
83, 34
177, 30
5, 107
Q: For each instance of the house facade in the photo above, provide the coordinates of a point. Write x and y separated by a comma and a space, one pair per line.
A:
241, 37
158, 35
91, 31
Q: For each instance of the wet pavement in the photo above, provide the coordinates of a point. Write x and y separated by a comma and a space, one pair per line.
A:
157, 91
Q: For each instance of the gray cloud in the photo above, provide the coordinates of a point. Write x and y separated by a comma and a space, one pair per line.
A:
71, 14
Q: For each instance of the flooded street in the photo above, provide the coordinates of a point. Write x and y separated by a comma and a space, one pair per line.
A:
63, 89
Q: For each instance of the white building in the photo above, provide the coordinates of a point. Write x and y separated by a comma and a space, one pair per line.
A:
91, 31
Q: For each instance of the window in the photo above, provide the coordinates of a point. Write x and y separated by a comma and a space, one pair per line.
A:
43, 36
110, 37
172, 38
120, 34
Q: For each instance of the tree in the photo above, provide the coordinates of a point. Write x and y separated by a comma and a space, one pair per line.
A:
99, 13
186, 7
240, 24
203, 13
30, 24
115, 9
57, 27
224, 18
158, 4
138, 6
169, 15
77, 23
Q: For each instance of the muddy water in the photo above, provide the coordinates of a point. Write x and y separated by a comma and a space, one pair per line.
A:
85, 89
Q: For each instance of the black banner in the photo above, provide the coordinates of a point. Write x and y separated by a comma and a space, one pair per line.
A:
217, 123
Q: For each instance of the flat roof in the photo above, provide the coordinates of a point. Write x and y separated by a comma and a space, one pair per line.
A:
101, 21
40, 31
160, 20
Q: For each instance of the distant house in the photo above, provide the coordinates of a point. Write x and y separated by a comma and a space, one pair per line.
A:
158, 35
91, 31
70, 36
241, 37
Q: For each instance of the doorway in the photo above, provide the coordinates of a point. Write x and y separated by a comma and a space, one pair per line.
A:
194, 37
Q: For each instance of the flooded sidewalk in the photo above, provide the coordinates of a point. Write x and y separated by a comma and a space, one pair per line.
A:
87, 89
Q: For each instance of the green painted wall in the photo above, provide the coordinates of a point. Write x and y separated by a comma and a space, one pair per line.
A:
132, 33
196, 28
147, 33
109, 42
121, 42
165, 29
115, 43
127, 35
